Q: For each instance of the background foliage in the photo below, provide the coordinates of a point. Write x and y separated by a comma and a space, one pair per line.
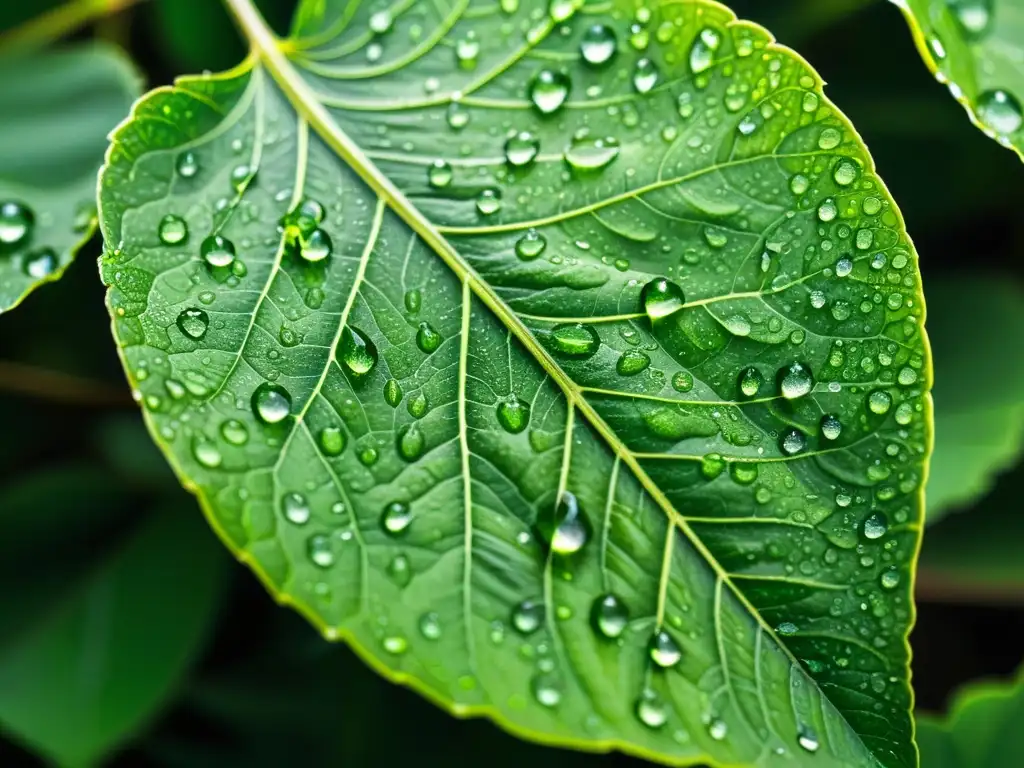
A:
103, 552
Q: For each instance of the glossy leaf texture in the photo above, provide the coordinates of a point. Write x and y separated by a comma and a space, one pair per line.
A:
565, 360
59, 108
982, 729
976, 48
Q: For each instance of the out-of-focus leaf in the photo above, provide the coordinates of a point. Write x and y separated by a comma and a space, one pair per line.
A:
124, 442
655, 355
976, 47
975, 325
984, 728
58, 109
84, 679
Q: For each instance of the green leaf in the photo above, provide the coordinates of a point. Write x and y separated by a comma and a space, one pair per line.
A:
982, 729
58, 109
979, 417
85, 678
976, 47
436, 384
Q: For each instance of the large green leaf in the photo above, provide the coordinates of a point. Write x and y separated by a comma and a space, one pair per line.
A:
976, 47
979, 416
58, 109
435, 380
982, 729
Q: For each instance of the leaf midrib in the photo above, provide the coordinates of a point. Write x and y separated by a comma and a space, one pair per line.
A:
270, 50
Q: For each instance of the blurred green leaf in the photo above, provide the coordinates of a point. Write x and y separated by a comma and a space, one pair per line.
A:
977, 48
58, 109
123, 441
975, 324
89, 675
984, 728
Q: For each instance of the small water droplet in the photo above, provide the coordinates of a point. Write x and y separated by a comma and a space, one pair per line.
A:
396, 518
609, 616
430, 626
427, 338
399, 570
645, 75
665, 652
831, 427
828, 211
974, 16
271, 403
488, 202
234, 432
1000, 111
830, 138
587, 153
187, 165
467, 49
795, 380
317, 247
565, 527
875, 526
332, 441
702, 53
295, 508
807, 739
381, 21
632, 362
521, 149
879, 402
682, 381
717, 729
751, 381
598, 44
528, 616
793, 441
651, 709
531, 245
319, 549
575, 339
205, 452
549, 90
661, 298
193, 323
546, 690
356, 351
172, 230
513, 414
217, 251
890, 579
40, 264
458, 116
846, 172
392, 392
396, 645
439, 174
410, 442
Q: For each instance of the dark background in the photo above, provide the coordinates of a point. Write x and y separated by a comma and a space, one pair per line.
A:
267, 689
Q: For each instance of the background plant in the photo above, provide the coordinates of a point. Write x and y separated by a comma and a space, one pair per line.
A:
82, 436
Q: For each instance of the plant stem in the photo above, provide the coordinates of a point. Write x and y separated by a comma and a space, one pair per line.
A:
58, 387
59, 22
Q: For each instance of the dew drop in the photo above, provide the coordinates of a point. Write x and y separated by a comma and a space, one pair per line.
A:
546, 690
396, 645
549, 90
831, 427
974, 16
318, 547
795, 380
645, 76
217, 251
187, 165
172, 230
845, 172
1000, 111
399, 570
875, 526
609, 616
890, 579
410, 442
458, 116
357, 352
271, 403
793, 441
661, 298
565, 528
651, 709
488, 202
521, 149
807, 739
317, 247
439, 174
575, 339
467, 49
332, 441
513, 414
879, 402
830, 138
430, 626
528, 616
193, 323
531, 245
40, 264
381, 21
717, 729
586, 153
702, 53
598, 44
664, 651
392, 392
682, 381
828, 211
234, 432
396, 518
295, 508
632, 362
751, 381
16, 222
427, 338
205, 452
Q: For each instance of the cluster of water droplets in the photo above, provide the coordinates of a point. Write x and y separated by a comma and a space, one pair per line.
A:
18, 227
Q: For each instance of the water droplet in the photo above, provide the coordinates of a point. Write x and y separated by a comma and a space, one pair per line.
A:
16, 222
743, 473
807, 739
546, 690
234, 432
844, 267
879, 402
831, 427
787, 629
396, 518
193, 323
598, 44
827, 211
332, 441
875, 526
356, 351
399, 570
665, 652
295, 508
549, 90
467, 49
410, 442
417, 405
241, 175
488, 202
392, 392
645, 75
318, 547
751, 381
586, 153
1000, 111
217, 251
560, 10
632, 362
566, 528
846, 172
609, 616
651, 709
682, 381
521, 149
187, 165
172, 230
396, 645
830, 138
661, 297
799, 184
381, 21
890, 579
793, 442
974, 16
702, 54
427, 338
717, 729
531, 245
317, 246
439, 174
513, 414
271, 403
458, 116
795, 380
528, 616
430, 626
205, 452
40, 264
575, 339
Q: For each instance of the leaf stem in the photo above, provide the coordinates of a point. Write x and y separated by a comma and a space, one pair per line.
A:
57, 23
59, 387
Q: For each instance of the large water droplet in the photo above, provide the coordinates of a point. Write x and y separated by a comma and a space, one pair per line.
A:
234, 432
295, 508
879, 402
16, 222
271, 403
632, 362
172, 230
586, 153
575, 339
410, 442
396, 518
890, 579
645, 75
974, 16
807, 739
549, 90
598, 44
565, 528
205, 452
831, 427
751, 381
439, 174
609, 616
40, 264
513, 414
217, 251
651, 709
317, 247
319, 549
356, 351
795, 380
392, 392
531, 245
488, 202
546, 689
682, 381
702, 53
187, 165
528, 616
875, 526
427, 338
521, 149
381, 21
665, 652
661, 297
332, 441
792, 442
193, 323
1000, 111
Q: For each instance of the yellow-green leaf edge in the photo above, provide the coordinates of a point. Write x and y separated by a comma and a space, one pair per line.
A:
284, 45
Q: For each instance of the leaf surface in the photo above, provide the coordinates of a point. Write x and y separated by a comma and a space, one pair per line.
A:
566, 362
976, 48
58, 109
